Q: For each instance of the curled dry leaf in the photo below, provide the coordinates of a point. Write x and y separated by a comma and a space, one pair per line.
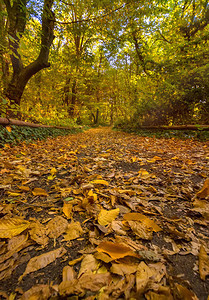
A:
105, 217
43, 260
115, 250
10, 227
203, 263
57, 226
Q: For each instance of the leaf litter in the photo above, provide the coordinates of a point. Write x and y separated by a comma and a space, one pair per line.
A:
105, 215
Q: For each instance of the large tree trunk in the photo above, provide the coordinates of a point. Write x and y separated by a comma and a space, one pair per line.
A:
17, 23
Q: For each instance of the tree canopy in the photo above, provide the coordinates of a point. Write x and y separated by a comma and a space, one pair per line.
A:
106, 61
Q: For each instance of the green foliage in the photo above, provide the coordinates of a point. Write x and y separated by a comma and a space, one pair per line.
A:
23, 133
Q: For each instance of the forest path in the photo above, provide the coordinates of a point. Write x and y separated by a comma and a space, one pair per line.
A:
105, 209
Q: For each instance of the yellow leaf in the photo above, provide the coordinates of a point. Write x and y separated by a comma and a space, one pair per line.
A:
39, 192
144, 174
115, 250
75, 261
24, 188
67, 209
38, 233
139, 217
12, 226
204, 192
105, 217
100, 181
74, 230
184, 293
8, 128
203, 263
154, 159
53, 171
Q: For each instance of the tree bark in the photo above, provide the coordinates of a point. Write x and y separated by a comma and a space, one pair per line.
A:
17, 23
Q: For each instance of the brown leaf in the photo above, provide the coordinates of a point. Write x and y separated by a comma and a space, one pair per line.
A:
203, 263
37, 292
123, 269
38, 233
68, 273
88, 265
43, 260
204, 192
140, 230
57, 226
67, 209
91, 282
139, 217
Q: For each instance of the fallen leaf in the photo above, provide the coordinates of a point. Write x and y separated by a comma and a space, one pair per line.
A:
105, 217
38, 262
115, 250
67, 209
88, 265
100, 181
204, 192
91, 282
39, 192
57, 226
123, 269
139, 217
203, 263
68, 273
10, 227
37, 292
38, 233
73, 231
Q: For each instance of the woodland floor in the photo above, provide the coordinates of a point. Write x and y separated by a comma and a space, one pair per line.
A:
104, 215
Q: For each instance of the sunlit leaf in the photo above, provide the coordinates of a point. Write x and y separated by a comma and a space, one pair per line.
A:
115, 250
105, 217
10, 227
39, 192
100, 181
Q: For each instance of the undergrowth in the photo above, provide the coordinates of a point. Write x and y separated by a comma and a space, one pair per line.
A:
18, 134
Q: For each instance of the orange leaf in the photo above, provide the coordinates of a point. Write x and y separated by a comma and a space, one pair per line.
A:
39, 192
115, 250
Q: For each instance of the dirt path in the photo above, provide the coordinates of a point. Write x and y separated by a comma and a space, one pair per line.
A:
104, 215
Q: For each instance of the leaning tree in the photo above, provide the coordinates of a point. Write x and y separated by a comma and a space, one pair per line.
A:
17, 19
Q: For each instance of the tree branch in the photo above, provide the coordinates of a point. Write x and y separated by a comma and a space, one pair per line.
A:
91, 19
